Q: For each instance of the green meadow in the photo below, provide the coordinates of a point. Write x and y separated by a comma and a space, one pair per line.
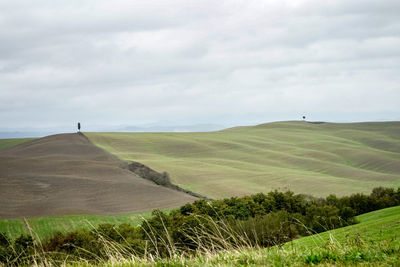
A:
4, 143
46, 226
311, 158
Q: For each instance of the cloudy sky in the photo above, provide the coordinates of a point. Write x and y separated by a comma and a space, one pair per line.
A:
111, 63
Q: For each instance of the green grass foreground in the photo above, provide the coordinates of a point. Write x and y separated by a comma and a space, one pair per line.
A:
311, 158
5, 143
375, 241
45, 226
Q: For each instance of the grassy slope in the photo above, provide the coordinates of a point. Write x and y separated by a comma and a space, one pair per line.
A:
45, 226
316, 159
374, 241
377, 225
4, 143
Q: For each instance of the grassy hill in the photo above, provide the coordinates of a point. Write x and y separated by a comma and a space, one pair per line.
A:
378, 226
5, 143
311, 158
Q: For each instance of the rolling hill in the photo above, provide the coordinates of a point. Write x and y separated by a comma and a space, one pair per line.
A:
66, 174
5, 143
312, 158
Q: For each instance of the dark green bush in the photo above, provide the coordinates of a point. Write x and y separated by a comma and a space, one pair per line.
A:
271, 229
5, 248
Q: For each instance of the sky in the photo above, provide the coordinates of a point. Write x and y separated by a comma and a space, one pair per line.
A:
111, 64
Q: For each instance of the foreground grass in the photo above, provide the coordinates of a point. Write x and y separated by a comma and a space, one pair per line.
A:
46, 226
353, 252
375, 241
5, 143
316, 159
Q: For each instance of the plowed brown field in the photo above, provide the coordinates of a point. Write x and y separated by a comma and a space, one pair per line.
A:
65, 174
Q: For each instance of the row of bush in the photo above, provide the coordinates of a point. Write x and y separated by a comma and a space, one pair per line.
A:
260, 220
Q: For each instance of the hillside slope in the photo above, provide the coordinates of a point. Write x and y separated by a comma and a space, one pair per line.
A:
66, 174
379, 225
312, 158
5, 143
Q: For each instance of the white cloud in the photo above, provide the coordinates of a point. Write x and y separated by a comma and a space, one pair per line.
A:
229, 62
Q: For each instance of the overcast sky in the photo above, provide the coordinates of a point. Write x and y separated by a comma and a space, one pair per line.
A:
110, 63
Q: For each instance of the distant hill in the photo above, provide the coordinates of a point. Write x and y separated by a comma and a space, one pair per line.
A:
305, 157
5, 143
27, 133
172, 128
66, 174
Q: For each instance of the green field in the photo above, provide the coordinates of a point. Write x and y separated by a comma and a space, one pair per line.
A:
312, 158
45, 226
4, 143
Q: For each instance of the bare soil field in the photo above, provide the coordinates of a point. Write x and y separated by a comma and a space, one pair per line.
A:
66, 174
